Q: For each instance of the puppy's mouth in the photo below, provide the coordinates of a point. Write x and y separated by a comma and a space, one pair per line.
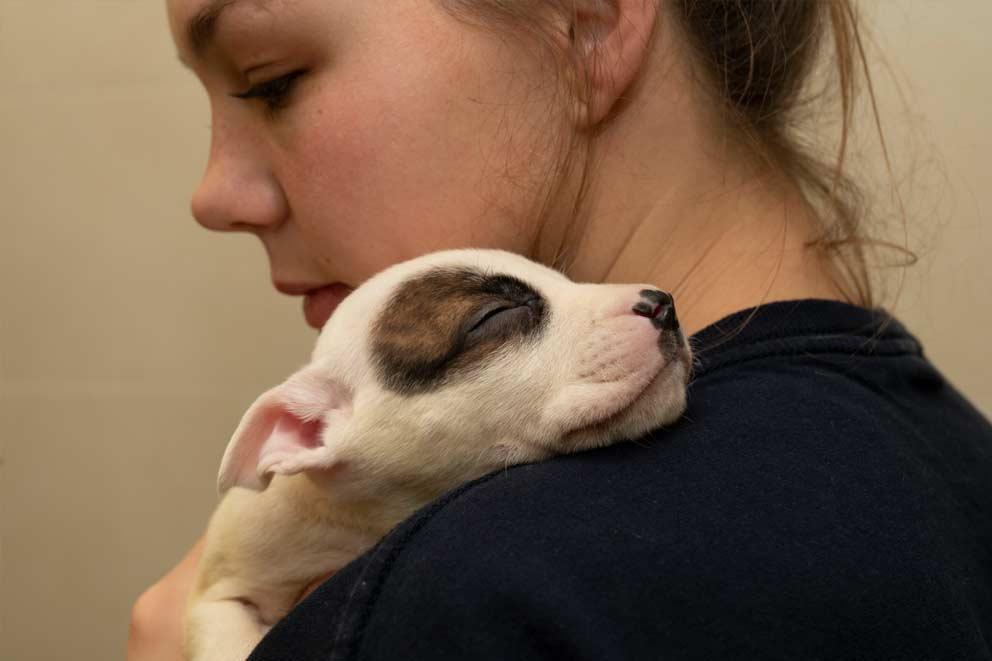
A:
604, 426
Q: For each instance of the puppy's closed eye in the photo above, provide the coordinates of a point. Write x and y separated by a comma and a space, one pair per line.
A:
500, 319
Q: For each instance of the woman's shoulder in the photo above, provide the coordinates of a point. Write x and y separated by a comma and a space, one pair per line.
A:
779, 546
813, 502
822, 373
679, 545
751, 528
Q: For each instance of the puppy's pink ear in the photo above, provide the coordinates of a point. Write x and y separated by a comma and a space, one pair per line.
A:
289, 429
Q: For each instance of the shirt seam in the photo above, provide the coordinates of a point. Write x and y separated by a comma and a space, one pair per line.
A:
714, 365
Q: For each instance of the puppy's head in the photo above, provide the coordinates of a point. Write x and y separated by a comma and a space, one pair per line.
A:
442, 368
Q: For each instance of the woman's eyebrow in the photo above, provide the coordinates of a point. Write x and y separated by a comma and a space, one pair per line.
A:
201, 28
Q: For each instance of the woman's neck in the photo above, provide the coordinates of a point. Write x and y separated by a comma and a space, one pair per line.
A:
718, 250
675, 204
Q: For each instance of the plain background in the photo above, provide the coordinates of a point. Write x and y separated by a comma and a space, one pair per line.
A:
132, 340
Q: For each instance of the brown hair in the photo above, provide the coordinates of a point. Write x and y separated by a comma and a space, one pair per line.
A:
756, 58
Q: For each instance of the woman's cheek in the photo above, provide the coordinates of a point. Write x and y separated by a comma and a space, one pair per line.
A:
356, 192
371, 162
372, 159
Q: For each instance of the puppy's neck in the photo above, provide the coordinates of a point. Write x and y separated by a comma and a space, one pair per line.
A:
350, 507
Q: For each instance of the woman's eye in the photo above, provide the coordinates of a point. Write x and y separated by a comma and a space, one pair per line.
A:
275, 93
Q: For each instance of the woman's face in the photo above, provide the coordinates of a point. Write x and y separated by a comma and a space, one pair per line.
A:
366, 133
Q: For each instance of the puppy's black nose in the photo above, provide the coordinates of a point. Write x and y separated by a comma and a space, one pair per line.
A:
659, 308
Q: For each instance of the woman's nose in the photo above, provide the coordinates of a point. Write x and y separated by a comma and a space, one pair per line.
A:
238, 191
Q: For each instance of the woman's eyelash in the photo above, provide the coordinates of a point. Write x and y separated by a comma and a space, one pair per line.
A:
273, 92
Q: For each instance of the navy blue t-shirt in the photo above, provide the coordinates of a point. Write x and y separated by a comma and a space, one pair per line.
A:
827, 495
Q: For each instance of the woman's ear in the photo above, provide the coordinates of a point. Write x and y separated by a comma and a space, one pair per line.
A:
294, 427
609, 43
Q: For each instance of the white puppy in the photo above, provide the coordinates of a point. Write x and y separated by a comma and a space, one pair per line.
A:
434, 372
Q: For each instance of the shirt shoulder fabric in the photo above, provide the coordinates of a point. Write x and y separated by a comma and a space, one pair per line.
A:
828, 495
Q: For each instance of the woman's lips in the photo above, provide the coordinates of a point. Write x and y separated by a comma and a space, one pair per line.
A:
319, 304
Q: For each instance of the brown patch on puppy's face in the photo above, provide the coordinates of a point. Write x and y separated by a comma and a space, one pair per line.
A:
471, 358
449, 321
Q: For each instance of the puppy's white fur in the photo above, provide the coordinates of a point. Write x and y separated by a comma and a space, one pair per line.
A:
322, 466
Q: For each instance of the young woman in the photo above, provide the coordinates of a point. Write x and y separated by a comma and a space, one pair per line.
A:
827, 494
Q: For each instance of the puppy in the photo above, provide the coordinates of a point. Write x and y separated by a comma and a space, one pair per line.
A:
435, 372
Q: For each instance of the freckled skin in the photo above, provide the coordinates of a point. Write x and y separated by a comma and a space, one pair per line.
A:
397, 123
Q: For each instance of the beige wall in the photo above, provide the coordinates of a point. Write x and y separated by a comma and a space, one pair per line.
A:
131, 340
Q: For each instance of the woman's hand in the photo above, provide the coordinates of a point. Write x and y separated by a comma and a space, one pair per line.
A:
156, 631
